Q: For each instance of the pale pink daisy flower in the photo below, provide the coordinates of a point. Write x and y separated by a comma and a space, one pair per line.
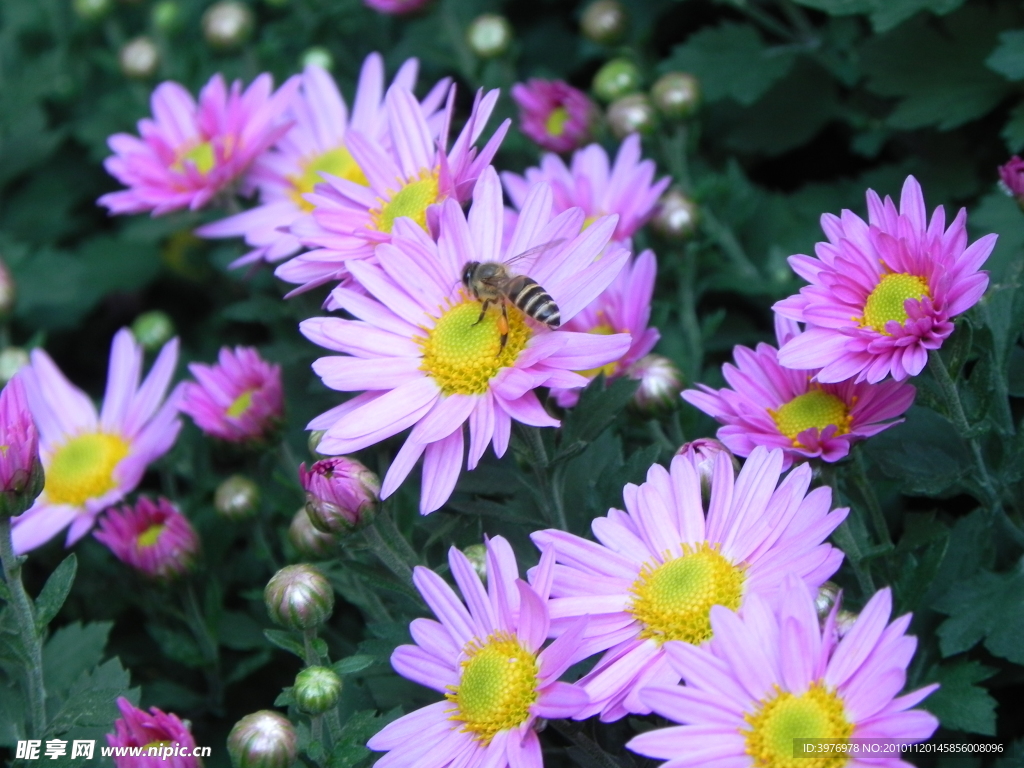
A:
139, 728
314, 145
662, 564
770, 677
627, 187
490, 640
623, 307
189, 152
407, 177
395, 7
92, 460
239, 399
151, 537
883, 293
553, 114
428, 360
767, 404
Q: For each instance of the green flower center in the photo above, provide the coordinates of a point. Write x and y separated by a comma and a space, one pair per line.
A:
816, 408
150, 536
240, 404
337, 162
886, 301
673, 599
411, 200
497, 687
779, 720
201, 155
83, 468
463, 355
555, 124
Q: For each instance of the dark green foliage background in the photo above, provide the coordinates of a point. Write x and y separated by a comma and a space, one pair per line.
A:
808, 103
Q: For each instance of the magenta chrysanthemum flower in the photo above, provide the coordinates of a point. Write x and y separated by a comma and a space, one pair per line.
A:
785, 408
314, 145
491, 642
662, 564
395, 7
553, 114
138, 728
627, 188
239, 399
20, 468
189, 152
407, 177
92, 460
769, 677
883, 293
1011, 176
428, 360
623, 307
151, 537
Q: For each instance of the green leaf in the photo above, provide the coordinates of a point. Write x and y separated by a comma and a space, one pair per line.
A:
885, 14
55, 591
599, 405
240, 632
1013, 131
989, 606
353, 664
71, 651
959, 704
924, 453
922, 548
351, 745
176, 644
1008, 58
286, 641
731, 61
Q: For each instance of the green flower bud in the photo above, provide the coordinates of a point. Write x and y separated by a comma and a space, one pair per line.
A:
237, 498
166, 16
604, 22
8, 294
299, 597
617, 78
677, 216
318, 57
314, 442
489, 35
264, 739
12, 360
477, 556
317, 689
92, 10
676, 95
660, 384
139, 58
631, 114
307, 540
227, 24
153, 329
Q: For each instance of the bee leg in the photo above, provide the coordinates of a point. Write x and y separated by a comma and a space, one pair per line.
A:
483, 311
503, 328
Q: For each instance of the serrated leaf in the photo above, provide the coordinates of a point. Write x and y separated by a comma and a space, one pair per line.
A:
351, 745
353, 664
989, 606
177, 644
598, 407
1008, 57
885, 14
248, 665
70, 651
959, 704
1013, 130
924, 453
286, 641
55, 591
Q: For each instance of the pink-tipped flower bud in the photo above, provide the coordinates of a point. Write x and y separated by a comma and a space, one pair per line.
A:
154, 538
660, 384
227, 24
237, 498
604, 22
489, 36
299, 597
631, 114
7, 291
676, 95
341, 494
12, 360
395, 7
310, 543
21, 472
702, 454
677, 216
139, 58
1011, 178
264, 739
316, 690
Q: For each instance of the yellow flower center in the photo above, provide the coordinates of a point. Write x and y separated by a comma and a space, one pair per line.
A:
411, 200
886, 301
782, 718
556, 121
150, 536
673, 599
463, 355
201, 155
497, 687
816, 408
83, 468
240, 405
610, 368
337, 162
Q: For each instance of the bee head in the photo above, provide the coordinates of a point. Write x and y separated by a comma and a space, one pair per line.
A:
467, 272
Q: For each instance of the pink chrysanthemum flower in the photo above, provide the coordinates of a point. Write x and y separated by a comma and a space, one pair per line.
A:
627, 188
189, 152
238, 400
151, 537
662, 564
395, 7
623, 307
138, 728
491, 642
429, 361
785, 408
20, 468
770, 677
92, 460
553, 114
314, 145
883, 293
407, 178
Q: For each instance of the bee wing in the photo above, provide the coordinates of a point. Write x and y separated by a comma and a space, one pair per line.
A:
524, 260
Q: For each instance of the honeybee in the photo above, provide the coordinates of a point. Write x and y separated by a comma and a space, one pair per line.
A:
491, 282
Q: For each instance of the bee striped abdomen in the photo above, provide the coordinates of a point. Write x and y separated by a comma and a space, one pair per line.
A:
526, 294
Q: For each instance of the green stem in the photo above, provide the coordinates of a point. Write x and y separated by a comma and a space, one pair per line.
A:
845, 537
727, 241
551, 483
385, 554
692, 333
396, 539
24, 616
208, 648
867, 492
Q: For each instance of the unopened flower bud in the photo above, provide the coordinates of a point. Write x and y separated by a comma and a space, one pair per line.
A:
845, 621
617, 78
660, 384
153, 329
264, 739
677, 216
341, 493
7, 291
166, 16
139, 58
227, 24
12, 360
92, 10
676, 95
21, 473
631, 114
604, 22
314, 442
1011, 179
310, 543
702, 454
489, 35
299, 597
477, 556
237, 498
317, 57
317, 689
826, 598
